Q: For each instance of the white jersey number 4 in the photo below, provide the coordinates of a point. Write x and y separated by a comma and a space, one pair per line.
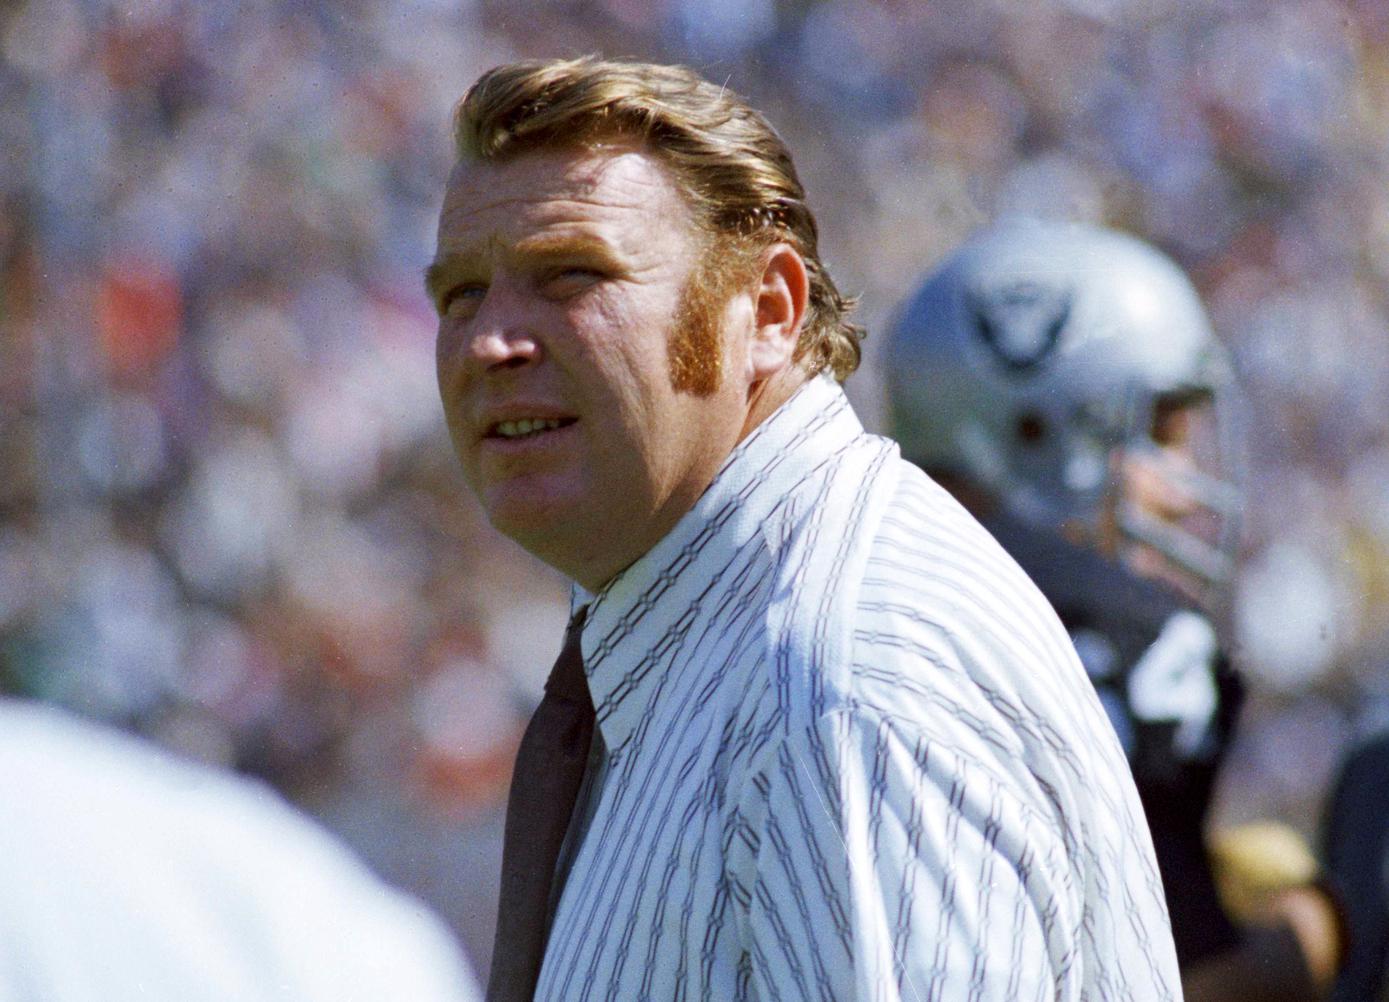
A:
1174, 680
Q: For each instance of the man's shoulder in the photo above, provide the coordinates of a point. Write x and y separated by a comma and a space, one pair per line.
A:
150, 842
950, 628
930, 555
144, 805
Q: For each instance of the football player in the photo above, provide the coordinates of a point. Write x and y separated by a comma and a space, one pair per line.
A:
1356, 834
1064, 383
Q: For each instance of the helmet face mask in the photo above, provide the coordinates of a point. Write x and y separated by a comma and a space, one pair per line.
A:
1174, 512
1071, 374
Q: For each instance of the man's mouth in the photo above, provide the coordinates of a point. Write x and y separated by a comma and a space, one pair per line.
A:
527, 427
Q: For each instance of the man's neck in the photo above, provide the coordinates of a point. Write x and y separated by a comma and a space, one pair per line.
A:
766, 397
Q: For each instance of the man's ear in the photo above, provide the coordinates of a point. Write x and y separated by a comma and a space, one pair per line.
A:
782, 294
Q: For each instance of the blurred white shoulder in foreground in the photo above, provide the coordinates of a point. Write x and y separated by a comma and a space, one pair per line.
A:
128, 874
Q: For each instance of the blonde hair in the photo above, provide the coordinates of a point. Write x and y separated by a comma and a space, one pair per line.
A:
733, 168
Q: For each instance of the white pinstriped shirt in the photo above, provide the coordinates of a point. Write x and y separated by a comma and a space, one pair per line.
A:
848, 753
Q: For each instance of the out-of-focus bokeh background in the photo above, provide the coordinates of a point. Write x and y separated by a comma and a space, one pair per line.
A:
229, 515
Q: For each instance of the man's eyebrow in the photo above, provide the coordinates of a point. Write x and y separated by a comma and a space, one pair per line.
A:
561, 243
540, 245
435, 275
446, 267
431, 281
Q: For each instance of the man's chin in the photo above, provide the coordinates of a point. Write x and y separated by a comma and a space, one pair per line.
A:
531, 515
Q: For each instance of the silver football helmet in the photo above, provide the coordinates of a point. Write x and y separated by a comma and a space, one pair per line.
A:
1040, 354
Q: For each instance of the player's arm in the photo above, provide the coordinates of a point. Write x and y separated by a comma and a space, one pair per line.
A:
878, 864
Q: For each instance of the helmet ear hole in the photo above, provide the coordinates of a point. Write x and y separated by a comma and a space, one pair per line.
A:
1030, 428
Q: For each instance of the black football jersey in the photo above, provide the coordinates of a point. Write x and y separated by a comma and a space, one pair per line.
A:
1171, 694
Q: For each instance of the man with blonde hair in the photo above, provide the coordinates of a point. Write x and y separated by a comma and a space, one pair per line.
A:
812, 733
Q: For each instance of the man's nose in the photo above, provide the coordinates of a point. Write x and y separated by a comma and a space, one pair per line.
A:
499, 337
1155, 484
501, 349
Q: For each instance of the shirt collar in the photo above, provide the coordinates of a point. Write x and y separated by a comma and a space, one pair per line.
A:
642, 604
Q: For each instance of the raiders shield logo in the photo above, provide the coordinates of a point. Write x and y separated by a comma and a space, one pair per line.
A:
1020, 321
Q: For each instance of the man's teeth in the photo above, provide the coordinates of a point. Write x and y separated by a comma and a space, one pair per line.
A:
526, 426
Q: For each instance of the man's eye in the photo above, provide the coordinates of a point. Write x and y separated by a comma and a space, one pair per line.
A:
462, 301
571, 279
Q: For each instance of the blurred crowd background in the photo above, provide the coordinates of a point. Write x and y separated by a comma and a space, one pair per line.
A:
229, 515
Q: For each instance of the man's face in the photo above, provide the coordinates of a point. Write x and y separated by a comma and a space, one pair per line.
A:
559, 279
1170, 507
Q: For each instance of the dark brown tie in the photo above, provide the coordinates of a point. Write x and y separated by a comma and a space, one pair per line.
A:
544, 786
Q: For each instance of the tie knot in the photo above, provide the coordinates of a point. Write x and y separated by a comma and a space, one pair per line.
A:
567, 680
